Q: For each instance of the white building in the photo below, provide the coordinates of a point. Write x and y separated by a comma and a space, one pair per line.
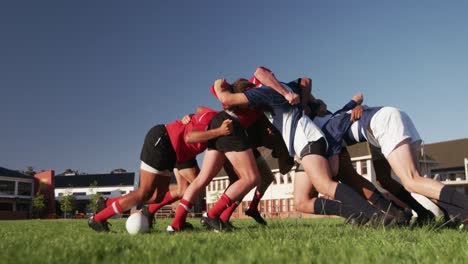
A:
83, 186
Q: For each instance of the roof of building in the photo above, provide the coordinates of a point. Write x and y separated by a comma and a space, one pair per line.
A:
448, 154
86, 180
14, 174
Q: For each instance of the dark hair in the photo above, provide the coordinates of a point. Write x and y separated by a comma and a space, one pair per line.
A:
241, 85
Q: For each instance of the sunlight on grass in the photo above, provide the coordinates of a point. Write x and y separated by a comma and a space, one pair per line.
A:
283, 241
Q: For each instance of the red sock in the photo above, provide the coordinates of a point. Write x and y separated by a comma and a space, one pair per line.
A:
255, 201
168, 199
109, 201
181, 213
221, 205
108, 212
226, 214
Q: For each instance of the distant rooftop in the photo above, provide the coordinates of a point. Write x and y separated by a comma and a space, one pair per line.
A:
79, 181
11, 173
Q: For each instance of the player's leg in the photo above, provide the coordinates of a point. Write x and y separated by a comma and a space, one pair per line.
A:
384, 178
236, 147
349, 176
212, 163
184, 173
266, 178
399, 145
157, 161
318, 171
306, 200
244, 165
311, 146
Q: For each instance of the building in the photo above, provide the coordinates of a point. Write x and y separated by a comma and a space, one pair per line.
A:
82, 187
16, 192
444, 161
451, 163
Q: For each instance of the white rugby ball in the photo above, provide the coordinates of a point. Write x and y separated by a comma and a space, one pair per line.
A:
137, 223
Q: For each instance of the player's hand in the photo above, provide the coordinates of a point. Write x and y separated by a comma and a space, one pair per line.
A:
356, 113
186, 119
292, 98
221, 83
358, 98
226, 127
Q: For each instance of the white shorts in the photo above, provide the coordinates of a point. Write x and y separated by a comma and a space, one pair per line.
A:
306, 131
150, 169
389, 127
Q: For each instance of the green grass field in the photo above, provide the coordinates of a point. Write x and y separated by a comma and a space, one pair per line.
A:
283, 241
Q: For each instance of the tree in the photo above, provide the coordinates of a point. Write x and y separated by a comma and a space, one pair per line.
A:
119, 170
29, 171
67, 204
69, 172
38, 204
93, 200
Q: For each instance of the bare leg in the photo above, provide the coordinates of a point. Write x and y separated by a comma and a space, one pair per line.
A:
304, 193
245, 167
401, 160
212, 163
150, 183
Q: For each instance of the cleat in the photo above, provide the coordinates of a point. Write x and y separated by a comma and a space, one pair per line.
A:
186, 227
382, 220
98, 226
356, 220
202, 220
227, 226
149, 216
425, 219
212, 223
256, 216
403, 218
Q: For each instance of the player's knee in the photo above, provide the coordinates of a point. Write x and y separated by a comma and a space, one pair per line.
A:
410, 182
143, 196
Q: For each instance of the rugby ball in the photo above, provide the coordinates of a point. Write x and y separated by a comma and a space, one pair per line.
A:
137, 223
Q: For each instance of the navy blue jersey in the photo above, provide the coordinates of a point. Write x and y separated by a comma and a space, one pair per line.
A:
359, 129
339, 126
283, 115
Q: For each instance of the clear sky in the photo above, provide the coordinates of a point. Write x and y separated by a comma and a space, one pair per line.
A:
82, 81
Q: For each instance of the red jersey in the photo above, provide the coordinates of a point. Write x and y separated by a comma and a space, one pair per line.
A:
178, 131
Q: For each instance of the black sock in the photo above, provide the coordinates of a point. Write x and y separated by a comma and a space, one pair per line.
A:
324, 206
453, 202
351, 199
409, 200
451, 196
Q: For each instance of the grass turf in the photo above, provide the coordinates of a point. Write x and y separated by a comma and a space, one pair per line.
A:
283, 241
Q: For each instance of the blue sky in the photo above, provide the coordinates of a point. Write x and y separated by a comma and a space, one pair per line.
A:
82, 81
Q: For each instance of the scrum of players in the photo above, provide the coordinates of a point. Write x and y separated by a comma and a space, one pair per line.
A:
300, 131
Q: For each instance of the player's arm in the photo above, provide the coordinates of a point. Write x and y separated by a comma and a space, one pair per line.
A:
306, 94
198, 136
357, 110
267, 78
226, 97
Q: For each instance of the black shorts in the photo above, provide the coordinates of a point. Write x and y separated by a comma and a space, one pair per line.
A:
318, 147
236, 141
188, 164
157, 149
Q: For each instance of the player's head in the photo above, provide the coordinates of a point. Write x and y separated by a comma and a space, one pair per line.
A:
322, 108
241, 85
